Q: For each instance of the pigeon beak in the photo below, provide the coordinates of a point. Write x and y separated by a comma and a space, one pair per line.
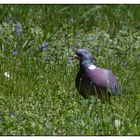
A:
76, 57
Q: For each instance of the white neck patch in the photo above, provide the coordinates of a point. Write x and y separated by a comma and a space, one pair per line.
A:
92, 67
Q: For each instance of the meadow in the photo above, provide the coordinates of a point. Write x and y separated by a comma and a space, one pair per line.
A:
37, 77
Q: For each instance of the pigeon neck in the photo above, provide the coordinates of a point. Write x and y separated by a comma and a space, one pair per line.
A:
85, 64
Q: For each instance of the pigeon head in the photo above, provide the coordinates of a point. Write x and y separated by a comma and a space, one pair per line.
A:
83, 54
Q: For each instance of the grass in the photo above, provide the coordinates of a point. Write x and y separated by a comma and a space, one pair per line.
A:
38, 94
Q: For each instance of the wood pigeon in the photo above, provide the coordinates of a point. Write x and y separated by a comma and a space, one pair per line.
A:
93, 80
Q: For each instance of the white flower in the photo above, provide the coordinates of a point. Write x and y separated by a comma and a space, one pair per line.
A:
6, 74
117, 123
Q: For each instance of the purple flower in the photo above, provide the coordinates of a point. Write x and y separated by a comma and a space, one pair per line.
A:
14, 52
18, 28
45, 44
9, 21
69, 59
78, 33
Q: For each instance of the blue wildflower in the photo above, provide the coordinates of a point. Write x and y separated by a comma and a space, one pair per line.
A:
78, 33
69, 59
9, 21
45, 44
18, 28
14, 52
